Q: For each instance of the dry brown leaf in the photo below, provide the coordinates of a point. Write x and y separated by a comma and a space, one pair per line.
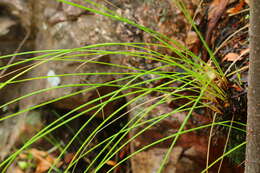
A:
237, 88
231, 57
111, 163
244, 51
23, 156
237, 8
191, 38
216, 10
17, 170
68, 157
236, 57
44, 160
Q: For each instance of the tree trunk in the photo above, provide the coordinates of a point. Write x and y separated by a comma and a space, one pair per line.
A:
253, 119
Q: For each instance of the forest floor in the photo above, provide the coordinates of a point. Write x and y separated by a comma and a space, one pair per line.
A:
224, 25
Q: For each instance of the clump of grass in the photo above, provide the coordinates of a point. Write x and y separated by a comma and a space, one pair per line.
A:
206, 80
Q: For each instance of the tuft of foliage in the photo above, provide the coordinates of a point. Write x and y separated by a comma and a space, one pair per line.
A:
206, 80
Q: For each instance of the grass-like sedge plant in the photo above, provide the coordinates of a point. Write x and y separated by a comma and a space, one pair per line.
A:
206, 80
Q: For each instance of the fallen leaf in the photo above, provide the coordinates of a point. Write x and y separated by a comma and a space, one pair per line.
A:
68, 157
111, 163
124, 152
235, 57
44, 160
237, 88
23, 156
244, 51
231, 57
191, 38
17, 170
237, 8
216, 9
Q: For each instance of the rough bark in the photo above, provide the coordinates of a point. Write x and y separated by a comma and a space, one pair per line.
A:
253, 118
